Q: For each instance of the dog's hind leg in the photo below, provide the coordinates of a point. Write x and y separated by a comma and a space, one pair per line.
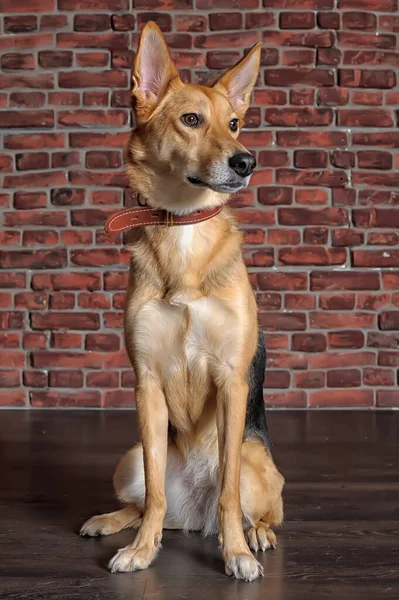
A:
128, 517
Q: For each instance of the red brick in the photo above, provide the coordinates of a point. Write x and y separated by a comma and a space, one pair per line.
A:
31, 300
301, 97
298, 117
305, 159
20, 24
64, 320
310, 380
103, 160
312, 255
27, 118
318, 139
34, 379
296, 399
53, 22
343, 159
44, 179
368, 4
27, 99
86, 59
34, 141
312, 39
59, 59
62, 300
33, 160
365, 118
354, 280
109, 342
300, 301
16, 61
9, 378
123, 22
273, 158
111, 41
33, 259
366, 79
347, 237
378, 377
77, 79
66, 379
315, 236
376, 258
268, 301
119, 398
383, 340
254, 20
341, 398
383, 239
345, 339
288, 321
333, 97
359, 20
297, 20
374, 160
98, 98
91, 22
344, 378
311, 197
282, 281
105, 379
365, 40
387, 399
66, 340
333, 320
305, 216
283, 237
388, 359
54, 399
10, 340
288, 77
308, 342
337, 302
328, 20
13, 398
225, 21
277, 379
67, 281
34, 341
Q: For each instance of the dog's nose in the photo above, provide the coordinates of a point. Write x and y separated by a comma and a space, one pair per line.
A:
242, 163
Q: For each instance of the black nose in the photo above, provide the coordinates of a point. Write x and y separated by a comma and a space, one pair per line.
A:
242, 163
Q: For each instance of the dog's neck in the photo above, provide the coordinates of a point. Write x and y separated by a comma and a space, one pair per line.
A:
184, 199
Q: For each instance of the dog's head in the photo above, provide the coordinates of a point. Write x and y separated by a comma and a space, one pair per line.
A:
184, 153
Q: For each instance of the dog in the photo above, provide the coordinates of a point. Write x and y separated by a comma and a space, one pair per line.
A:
191, 325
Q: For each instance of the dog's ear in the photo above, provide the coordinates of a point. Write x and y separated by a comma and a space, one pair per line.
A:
237, 83
153, 70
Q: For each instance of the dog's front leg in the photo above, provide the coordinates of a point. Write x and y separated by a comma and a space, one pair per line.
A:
231, 409
153, 421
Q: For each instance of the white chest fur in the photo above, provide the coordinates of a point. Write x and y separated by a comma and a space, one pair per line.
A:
186, 332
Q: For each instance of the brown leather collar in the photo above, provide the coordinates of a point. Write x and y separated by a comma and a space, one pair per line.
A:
130, 218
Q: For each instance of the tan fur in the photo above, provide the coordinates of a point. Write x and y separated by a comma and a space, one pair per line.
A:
191, 331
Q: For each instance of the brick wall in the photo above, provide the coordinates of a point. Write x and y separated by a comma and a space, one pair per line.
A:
320, 219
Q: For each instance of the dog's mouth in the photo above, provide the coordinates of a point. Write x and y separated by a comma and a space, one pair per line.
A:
197, 181
228, 186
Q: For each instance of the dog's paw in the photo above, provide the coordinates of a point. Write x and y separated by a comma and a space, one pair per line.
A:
100, 525
260, 537
132, 558
243, 566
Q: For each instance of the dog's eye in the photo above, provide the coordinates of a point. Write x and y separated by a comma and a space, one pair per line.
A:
233, 124
191, 120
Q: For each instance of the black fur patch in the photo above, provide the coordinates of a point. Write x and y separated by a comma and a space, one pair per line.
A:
255, 422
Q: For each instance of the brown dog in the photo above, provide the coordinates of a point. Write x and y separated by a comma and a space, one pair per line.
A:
191, 328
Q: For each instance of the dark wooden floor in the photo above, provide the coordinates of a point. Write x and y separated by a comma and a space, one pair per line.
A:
340, 539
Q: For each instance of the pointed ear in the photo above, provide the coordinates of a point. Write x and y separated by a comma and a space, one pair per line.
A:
237, 83
153, 70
